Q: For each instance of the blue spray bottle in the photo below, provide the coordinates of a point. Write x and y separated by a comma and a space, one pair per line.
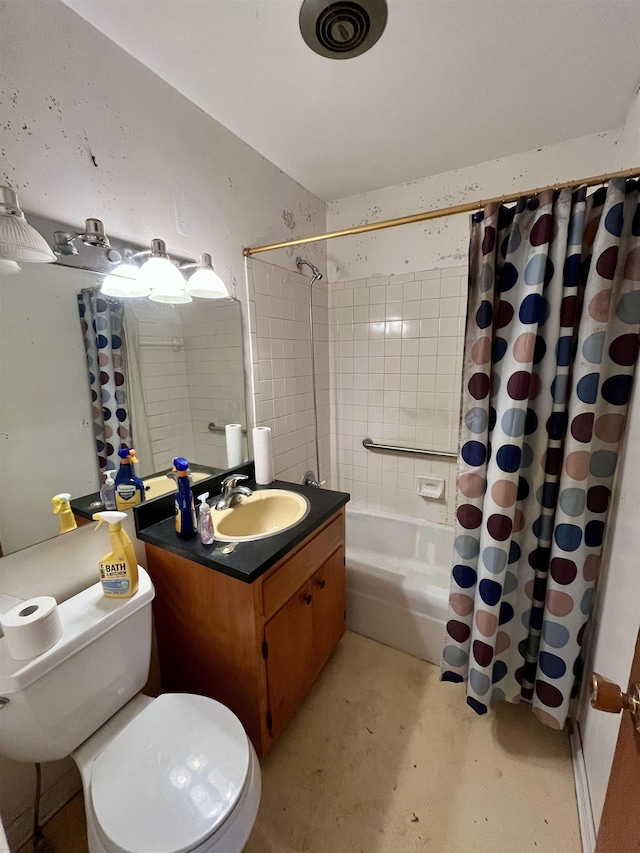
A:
129, 487
185, 509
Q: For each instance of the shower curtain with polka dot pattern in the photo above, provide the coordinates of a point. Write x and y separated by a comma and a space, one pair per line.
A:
550, 352
102, 323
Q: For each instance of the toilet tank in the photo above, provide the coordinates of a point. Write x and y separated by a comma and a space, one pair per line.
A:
54, 702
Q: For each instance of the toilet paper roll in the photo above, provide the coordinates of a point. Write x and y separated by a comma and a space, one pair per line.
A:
32, 627
233, 433
263, 456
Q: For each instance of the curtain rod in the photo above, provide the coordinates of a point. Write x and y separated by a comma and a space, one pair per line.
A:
467, 207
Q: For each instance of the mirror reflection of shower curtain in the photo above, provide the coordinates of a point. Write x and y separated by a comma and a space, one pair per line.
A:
101, 320
137, 407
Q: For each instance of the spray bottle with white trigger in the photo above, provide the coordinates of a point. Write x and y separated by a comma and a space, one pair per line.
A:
118, 568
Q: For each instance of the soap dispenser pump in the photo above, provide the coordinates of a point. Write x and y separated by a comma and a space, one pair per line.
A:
108, 490
205, 522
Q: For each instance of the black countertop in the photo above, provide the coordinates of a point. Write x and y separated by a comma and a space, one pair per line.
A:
155, 524
86, 505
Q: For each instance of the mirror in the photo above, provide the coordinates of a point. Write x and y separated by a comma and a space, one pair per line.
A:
186, 374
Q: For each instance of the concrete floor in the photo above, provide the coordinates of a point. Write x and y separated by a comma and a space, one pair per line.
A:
383, 758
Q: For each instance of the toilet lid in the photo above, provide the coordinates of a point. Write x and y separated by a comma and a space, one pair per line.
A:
170, 778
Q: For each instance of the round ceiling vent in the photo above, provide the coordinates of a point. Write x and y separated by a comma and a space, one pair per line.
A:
344, 28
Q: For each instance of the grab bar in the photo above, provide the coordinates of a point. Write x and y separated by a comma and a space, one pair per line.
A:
175, 343
213, 427
370, 445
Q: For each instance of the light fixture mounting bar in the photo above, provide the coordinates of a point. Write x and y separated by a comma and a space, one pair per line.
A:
93, 258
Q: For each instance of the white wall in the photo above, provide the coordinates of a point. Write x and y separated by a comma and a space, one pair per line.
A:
163, 168
616, 618
88, 131
443, 242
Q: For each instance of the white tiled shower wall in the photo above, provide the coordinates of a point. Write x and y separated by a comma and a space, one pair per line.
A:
396, 346
200, 380
215, 372
278, 301
163, 372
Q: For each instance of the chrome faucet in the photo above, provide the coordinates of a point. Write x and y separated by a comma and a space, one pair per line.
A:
231, 492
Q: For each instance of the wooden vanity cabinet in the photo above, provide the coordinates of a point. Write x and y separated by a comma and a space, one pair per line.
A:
257, 647
301, 636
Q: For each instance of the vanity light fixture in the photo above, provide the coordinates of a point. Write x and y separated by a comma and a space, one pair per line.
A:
93, 235
63, 244
18, 240
124, 281
205, 283
158, 277
162, 277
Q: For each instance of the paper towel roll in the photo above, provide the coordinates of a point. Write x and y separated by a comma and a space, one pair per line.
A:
32, 627
263, 457
233, 433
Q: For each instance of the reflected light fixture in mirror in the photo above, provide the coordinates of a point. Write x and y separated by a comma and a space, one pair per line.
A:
124, 281
205, 283
19, 241
162, 277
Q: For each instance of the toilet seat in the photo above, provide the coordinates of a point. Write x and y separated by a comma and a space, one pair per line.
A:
168, 781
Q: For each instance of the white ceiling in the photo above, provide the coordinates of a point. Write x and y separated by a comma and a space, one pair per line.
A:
450, 83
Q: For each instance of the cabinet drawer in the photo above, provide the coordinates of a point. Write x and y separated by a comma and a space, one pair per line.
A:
290, 576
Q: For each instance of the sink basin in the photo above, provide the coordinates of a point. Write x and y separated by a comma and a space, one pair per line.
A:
263, 514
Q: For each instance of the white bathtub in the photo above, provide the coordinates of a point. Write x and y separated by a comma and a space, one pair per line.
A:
398, 581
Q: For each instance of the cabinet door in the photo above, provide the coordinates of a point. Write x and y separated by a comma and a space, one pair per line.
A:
328, 589
291, 657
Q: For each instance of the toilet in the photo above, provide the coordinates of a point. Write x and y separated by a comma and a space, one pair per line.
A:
176, 774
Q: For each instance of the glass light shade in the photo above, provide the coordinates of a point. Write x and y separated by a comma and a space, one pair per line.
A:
8, 267
164, 280
207, 284
123, 283
18, 240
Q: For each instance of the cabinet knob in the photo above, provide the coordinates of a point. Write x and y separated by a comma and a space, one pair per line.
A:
307, 599
322, 583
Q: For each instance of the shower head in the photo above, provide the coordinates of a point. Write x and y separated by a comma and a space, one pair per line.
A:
314, 269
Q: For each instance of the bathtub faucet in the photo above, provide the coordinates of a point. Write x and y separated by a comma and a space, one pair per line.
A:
311, 480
